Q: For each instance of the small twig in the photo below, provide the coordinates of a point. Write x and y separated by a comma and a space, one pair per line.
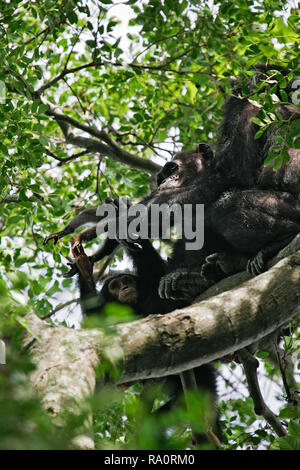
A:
45, 31
250, 365
64, 73
113, 191
67, 159
34, 237
283, 374
72, 48
60, 307
97, 179
83, 109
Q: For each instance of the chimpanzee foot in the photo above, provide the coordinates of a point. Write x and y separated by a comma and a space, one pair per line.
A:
223, 264
212, 269
256, 265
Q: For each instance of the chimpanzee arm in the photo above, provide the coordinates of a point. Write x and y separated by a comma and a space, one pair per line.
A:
89, 297
109, 245
87, 215
146, 260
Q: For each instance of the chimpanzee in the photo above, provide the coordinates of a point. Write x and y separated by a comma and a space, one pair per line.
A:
195, 177
239, 164
251, 225
246, 222
239, 159
239, 155
139, 290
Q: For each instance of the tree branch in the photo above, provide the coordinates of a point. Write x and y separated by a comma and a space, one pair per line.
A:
105, 145
161, 345
250, 365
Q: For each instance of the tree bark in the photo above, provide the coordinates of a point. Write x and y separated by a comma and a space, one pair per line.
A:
64, 376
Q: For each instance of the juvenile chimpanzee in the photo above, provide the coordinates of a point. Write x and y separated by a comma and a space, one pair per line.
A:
140, 291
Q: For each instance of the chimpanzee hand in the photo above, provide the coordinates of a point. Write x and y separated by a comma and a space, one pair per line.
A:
183, 284
72, 271
84, 264
215, 266
74, 268
55, 236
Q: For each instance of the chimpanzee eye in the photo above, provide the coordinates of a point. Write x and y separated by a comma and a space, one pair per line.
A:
170, 168
114, 285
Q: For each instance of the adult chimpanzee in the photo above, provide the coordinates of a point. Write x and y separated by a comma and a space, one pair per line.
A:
253, 223
239, 155
239, 164
140, 291
194, 177
239, 161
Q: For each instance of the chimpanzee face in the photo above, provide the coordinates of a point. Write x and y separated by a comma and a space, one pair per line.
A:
124, 289
181, 171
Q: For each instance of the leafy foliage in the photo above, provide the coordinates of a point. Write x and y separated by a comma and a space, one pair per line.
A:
151, 87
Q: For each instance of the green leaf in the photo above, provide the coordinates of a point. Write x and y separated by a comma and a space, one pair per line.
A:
256, 120
294, 429
270, 158
258, 134
289, 412
42, 108
284, 96
278, 163
35, 105
192, 91
296, 143
289, 443
262, 354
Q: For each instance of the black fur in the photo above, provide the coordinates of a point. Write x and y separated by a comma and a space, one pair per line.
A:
240, 157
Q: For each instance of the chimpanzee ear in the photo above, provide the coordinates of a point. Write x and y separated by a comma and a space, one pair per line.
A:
206, 151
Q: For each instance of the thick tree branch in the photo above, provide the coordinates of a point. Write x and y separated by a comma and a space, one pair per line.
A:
161, 345
103, 145
65, 375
